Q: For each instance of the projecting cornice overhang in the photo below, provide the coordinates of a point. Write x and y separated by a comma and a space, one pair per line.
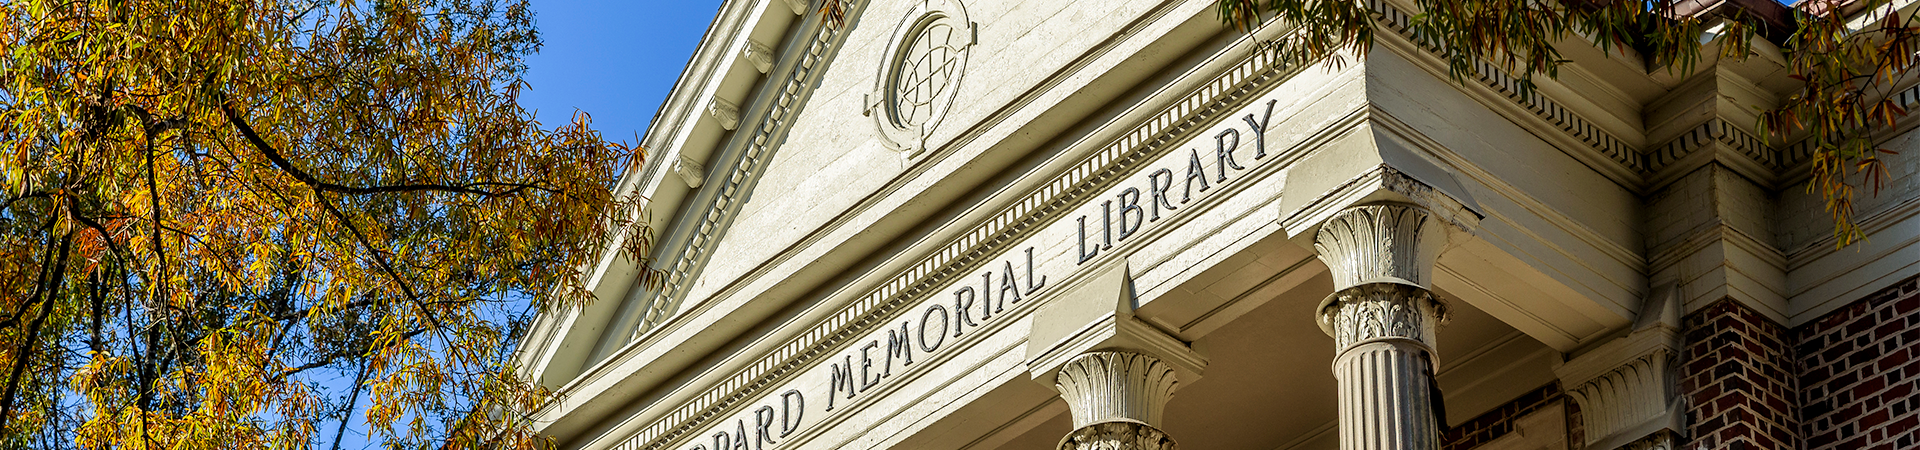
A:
1608, 137
748, 43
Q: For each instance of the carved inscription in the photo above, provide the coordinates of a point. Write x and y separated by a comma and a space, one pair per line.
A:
1123, 216
1179, 180
868, 364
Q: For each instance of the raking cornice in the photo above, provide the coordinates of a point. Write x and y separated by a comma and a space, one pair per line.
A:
1042, 205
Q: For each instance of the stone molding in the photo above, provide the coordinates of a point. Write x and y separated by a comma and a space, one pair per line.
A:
1156, 135
1381, 243
884, 105
1108, 386
1118, 435
1626, 388
1382, 311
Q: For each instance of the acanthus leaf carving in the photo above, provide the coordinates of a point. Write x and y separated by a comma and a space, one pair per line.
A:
1106, 386
1377, 311
1378, 243
1117, 435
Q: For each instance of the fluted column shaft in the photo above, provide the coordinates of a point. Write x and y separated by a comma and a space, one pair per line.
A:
1116, 399
1383, 318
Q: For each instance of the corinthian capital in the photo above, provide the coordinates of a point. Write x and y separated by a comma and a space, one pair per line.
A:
1107, 386
1380, 311
1116, 399
1381, 243
1117, 436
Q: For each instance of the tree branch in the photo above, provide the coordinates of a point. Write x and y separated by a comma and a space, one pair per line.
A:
281, 162
32, 337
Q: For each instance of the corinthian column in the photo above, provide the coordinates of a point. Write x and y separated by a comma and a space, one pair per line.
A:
1382, 318
1116, 399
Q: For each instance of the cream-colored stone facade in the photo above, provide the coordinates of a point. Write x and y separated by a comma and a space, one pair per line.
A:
1036, 224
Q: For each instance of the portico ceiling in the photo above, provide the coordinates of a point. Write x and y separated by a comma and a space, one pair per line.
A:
1268, 385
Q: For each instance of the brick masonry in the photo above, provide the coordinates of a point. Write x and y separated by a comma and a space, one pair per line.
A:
1499, 421
1849, 380
1738, 380
1859, 373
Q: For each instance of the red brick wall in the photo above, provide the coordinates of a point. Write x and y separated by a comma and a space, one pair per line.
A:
1499, 421
1860, 373
1738, 380
1850, 380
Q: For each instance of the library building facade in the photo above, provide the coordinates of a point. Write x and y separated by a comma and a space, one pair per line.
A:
1120, 224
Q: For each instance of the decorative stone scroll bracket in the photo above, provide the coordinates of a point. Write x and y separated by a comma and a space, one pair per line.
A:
1626, 388
759, 54
726, 112
690, 171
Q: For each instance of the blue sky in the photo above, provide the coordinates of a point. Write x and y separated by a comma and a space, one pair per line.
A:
616, 60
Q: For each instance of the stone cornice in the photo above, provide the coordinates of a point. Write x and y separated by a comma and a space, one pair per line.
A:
1641, 169
740, 174
544, 352
776, 102
1042, 205
1611, 155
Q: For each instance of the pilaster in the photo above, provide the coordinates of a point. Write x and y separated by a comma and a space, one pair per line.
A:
1625, 388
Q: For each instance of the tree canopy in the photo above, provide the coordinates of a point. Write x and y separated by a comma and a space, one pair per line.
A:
210, 212
213, 212
1844, 62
